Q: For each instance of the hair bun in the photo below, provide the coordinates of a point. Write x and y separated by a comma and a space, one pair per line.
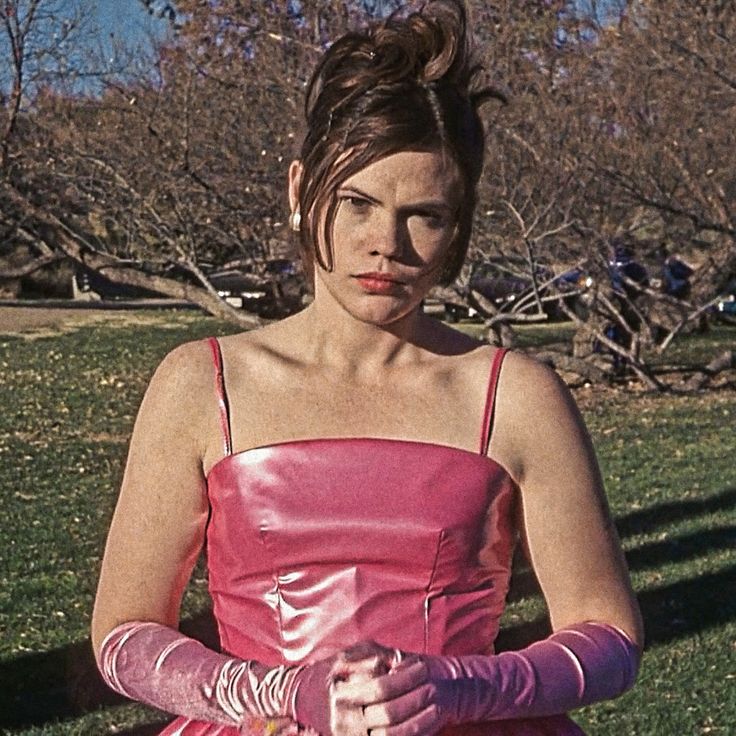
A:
431, 45
428, 46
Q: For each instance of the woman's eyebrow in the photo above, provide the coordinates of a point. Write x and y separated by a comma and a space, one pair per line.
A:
359, 192
430, 205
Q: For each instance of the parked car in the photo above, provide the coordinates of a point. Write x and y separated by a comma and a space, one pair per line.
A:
275, 294
96, 285
505, 291
502, 291
454, 312
625, 273
726, 307
676, 277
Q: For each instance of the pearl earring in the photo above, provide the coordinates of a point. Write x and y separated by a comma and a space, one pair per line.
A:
295, 221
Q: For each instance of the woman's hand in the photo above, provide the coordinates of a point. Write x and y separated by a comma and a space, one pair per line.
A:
384, 693
573, 667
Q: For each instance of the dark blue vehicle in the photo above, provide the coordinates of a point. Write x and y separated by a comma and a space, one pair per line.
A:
726, 307
626, 274
676, 277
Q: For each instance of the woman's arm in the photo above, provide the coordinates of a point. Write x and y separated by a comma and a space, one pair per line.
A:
569, 534
158, 526
156, 534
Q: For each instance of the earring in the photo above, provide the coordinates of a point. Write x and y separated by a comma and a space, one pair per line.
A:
295, 221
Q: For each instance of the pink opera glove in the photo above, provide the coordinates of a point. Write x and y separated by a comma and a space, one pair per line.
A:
573, 667
311, 707
361, 661
157, 665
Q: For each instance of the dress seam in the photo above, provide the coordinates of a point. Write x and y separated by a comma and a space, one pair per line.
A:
430, 582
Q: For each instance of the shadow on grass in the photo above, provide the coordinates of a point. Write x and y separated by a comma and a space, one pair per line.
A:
63, 683
682, 548
670, 611
648, 519
671, 550
37, 689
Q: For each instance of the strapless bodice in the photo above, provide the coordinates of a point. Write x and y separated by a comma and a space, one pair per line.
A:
315, 545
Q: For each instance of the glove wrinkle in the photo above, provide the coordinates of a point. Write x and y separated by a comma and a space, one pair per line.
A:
157, 665
573, 667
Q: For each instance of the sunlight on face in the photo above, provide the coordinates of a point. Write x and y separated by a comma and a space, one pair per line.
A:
401, 208
395, 222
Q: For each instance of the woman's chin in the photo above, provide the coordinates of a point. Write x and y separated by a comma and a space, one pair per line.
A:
381, 311
368, 308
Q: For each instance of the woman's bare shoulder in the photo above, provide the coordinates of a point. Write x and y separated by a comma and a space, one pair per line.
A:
181, 395
534, 410
187, 367
532, 382
273, 340
192, 364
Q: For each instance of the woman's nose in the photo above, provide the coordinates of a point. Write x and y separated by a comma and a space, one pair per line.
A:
389, 239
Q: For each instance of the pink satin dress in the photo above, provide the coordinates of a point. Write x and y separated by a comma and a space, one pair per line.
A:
317, 544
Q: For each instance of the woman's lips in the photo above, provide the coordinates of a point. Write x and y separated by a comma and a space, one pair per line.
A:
379, 283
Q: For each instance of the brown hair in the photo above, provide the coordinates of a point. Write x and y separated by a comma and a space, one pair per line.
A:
407, 83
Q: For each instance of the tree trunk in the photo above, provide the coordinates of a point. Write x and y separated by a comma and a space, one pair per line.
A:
571, 364
120, 273
725, 361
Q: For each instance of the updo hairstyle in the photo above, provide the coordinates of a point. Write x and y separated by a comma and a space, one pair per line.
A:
409, 83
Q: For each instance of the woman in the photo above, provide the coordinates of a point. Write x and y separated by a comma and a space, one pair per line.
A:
360, 472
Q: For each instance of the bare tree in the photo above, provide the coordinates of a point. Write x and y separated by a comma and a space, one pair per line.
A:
617, 142
666, 95
613, 160
38, 45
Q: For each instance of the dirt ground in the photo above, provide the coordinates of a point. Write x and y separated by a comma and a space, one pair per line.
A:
32, 322
22, 319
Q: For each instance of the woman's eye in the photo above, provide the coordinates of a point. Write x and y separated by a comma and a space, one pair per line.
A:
434, 222
356, 204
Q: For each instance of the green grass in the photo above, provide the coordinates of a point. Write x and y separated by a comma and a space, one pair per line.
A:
68, 403
527, 336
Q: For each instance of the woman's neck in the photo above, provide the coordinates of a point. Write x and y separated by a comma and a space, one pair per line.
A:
359, 350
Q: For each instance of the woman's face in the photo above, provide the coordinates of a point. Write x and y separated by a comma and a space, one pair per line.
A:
395, 221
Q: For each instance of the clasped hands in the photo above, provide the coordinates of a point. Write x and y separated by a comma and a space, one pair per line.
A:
369, 689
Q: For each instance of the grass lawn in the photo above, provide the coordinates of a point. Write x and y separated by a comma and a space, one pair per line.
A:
68, 403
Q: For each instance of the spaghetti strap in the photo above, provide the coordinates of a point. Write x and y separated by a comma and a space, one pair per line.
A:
487, 426
221, 395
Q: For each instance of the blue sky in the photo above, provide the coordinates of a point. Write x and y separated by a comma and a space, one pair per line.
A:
127, 22
127, 19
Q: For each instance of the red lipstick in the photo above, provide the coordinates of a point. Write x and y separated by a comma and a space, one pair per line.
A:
378, 282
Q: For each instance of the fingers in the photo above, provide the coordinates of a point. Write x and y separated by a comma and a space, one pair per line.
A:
364, 691
346, 720
412, 713
358, 671
381, 692
365, 650
400, 709
425, 723
363, 660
